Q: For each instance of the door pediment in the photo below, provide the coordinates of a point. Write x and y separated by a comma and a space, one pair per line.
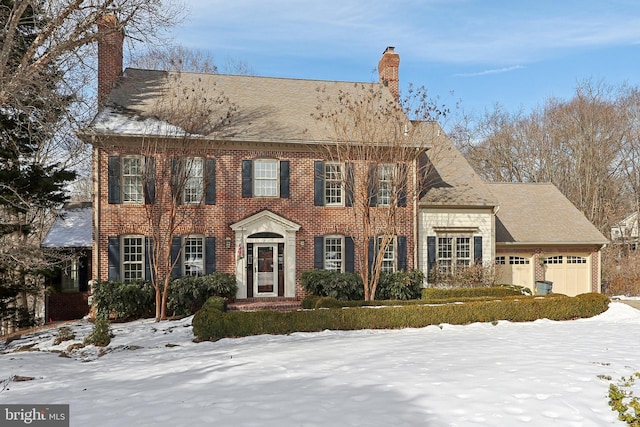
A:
265, 222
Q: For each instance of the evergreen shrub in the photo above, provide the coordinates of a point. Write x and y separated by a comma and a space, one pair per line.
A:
213, 324
133, 300
489, 291
101, 334
341, 286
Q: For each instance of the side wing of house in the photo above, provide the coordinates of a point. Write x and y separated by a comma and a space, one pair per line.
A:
540, 236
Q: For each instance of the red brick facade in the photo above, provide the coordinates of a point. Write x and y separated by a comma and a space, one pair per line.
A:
230, 207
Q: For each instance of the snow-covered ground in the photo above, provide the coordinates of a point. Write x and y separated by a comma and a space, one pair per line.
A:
543, 373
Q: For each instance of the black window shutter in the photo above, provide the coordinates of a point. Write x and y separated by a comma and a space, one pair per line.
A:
371, 256
401, 243
247, 178
114, 179
402, 189
350, 180
284, 179
175, 176
176, 244
149, 180
318, 183
477, 249
431, 253
210, 190
349, 254
114, 258
210, 255
372, 185
148, 257
318, 252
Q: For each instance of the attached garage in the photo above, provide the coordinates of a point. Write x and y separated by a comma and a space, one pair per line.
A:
541, 235
570, 274
515, 269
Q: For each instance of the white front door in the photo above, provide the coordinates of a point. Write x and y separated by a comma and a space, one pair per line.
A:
265, 279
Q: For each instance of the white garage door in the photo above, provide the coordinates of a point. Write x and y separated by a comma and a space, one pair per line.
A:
514, 270
569, 274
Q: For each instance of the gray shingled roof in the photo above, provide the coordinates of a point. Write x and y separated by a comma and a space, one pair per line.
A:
540, 214
452, 181
268, 109
72, 228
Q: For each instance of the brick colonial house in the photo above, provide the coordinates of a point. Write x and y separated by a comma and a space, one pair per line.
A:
263, 204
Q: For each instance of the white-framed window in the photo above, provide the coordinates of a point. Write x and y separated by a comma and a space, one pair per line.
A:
572, 259
386, 175
132, 256
388, 256
553, 260
71, 275
518, 260
334, 253
501, 260
453, 252
132, 179
193, 191
193, 256
333, 184
265, 178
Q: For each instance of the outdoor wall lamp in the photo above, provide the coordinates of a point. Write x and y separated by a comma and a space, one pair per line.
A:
227, 242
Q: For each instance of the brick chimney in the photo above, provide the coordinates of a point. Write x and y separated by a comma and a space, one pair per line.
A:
110, 42
388, 70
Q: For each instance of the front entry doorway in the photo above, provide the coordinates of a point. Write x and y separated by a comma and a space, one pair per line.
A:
265, 274
265, 269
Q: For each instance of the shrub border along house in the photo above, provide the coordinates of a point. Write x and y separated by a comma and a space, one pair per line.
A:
133, 300
212, 323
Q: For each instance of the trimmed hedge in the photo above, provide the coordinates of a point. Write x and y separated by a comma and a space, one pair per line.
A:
133, 300
213, 324
486, 291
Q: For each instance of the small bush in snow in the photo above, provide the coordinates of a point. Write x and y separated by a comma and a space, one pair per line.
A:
101, 334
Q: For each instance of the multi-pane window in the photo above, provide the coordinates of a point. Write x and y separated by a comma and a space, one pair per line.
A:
265, 178
501, 260
385, 183
132, 179
333, 253
553, 260
333, 184
518, 260
454, 252
193, 256
388, 256
70, 275
132, 258
571, 259
194, 180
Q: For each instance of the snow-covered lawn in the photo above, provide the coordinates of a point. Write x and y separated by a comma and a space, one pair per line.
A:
543, 373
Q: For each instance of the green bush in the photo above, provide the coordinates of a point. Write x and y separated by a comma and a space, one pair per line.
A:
132, 300
212, 324
188, 294
129, 300
341, 286
489, 291
101, 334
400, 285
310, 301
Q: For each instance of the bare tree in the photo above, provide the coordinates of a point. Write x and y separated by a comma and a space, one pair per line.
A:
578, 145
379, 158
175, 178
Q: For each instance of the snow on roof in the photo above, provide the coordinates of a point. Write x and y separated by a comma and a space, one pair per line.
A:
72, 228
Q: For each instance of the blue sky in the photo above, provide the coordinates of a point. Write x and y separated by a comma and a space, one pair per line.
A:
516, 53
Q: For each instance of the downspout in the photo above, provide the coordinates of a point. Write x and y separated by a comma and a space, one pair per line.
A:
416, 258
95, 174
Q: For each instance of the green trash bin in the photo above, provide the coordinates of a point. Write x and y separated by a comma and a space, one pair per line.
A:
543, 287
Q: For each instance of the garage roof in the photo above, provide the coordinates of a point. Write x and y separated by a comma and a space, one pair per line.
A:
540, 214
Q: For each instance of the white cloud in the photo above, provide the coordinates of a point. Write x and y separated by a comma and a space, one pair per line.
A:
493, 71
